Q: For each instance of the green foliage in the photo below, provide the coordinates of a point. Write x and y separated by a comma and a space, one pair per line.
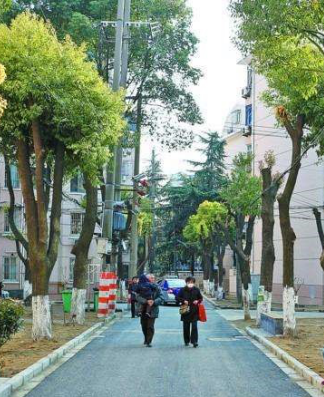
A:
145, 219
243, 191
209, 174
161, 72
5, 5
10, 319
285, 40
206, 222
55, 83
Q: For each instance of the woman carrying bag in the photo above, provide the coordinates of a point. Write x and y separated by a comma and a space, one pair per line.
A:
190, 298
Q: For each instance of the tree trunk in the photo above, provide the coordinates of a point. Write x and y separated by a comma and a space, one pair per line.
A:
270, 189
287, 232
243, 256
81, 252
42, 251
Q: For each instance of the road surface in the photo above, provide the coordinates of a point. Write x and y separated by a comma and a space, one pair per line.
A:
118, 365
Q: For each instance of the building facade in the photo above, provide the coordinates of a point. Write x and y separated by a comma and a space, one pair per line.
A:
264, 135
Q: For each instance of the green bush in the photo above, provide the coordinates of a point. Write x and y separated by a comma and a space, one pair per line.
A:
10, 319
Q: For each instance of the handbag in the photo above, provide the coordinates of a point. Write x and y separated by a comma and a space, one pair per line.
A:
184, 309
202, 316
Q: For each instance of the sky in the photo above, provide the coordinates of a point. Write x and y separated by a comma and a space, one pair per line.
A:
220, 87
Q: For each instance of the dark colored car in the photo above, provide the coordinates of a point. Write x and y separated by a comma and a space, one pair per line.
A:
170, 289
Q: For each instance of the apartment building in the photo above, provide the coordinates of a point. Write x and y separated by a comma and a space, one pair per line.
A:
258, 134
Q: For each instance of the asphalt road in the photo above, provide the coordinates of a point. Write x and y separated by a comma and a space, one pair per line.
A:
118, 365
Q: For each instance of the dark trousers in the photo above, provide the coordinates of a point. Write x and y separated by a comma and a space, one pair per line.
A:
148, 328
190, 331
133, 309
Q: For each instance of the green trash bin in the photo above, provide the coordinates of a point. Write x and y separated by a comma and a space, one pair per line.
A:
67, 299
95, 300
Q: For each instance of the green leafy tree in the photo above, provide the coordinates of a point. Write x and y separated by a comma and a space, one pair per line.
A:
59, 113
203, 228
242, 195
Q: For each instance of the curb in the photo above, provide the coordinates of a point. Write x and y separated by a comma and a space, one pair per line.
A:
309, 375
209, 300
23, 377
218, 307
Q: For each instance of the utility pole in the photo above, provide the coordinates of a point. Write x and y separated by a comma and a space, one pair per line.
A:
107, 231
153, 197
132, 271
123, 84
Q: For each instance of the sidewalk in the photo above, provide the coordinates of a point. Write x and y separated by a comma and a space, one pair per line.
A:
234, 314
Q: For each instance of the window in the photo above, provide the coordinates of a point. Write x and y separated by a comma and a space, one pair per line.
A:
71, 270
17, 219
14, 177
236, 117
76, 222
10, 268
248, 115
76, 184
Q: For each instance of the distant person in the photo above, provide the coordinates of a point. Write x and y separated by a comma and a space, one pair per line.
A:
190, 297
131, 290
149, 296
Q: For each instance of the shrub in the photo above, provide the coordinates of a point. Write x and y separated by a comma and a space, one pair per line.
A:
10, 319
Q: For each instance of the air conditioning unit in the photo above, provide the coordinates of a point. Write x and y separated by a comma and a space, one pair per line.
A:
246, 92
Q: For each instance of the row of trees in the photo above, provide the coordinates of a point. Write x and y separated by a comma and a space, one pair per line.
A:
63, 120
285, 41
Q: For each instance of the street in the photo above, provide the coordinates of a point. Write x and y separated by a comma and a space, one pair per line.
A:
117, 364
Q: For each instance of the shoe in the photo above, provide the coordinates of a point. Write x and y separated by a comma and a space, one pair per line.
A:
145, 343
186, 344
148, 345
195, 345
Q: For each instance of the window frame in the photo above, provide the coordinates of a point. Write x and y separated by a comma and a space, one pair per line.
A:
10, 257
73, 223
14, 177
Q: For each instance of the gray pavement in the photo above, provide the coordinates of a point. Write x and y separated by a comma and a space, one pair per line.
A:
118, 365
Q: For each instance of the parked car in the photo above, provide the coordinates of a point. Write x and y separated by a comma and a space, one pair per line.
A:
170, 289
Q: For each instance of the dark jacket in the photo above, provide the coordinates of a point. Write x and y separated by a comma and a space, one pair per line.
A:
157, 298
131, 291
190, 295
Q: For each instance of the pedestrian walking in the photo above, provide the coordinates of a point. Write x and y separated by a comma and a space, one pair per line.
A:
190, 297
132, 293
149, 296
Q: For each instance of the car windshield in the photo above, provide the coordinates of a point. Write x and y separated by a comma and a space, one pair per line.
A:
176, 283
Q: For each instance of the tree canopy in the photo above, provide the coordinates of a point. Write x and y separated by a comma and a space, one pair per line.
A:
53, 81
160, 72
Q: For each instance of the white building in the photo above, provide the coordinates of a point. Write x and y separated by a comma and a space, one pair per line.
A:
309, 192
